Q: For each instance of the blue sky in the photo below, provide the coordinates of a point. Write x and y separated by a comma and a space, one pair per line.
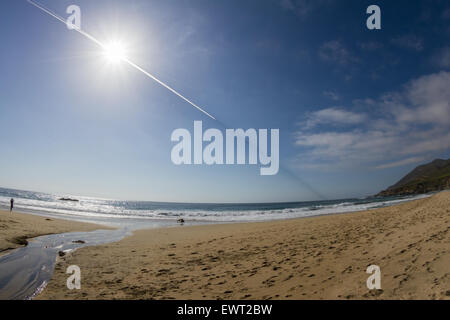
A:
357, 109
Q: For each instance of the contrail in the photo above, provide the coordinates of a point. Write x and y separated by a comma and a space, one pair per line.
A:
131, 63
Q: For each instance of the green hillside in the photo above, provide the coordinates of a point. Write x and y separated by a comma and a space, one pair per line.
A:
433, 176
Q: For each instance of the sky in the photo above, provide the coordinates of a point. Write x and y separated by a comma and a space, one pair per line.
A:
357, 109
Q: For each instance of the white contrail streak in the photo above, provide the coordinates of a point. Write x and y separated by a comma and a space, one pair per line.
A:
132, 64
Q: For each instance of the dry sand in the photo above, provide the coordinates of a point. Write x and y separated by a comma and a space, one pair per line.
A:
17, 228
311, 258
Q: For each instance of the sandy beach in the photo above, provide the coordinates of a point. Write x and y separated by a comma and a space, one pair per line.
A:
311, 258
17, 228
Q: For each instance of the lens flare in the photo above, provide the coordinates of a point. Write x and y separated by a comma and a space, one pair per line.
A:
115, 52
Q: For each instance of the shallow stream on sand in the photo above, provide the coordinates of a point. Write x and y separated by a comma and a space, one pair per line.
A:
25, 272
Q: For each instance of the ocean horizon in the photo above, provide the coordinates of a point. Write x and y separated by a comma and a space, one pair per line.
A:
91, 208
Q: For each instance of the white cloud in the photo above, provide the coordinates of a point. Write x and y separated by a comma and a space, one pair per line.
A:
334, 116
426, 100
409, 124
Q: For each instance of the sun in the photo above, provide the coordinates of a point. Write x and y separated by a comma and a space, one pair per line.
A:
115, 52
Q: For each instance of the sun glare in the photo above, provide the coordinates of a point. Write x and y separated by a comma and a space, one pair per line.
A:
115, 52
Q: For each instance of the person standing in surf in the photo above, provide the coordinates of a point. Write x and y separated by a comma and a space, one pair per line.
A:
12, 204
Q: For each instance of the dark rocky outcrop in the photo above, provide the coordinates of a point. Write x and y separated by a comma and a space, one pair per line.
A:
68, 199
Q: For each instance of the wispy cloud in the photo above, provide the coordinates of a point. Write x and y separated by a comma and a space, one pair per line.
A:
331, 95
371, 45
446, 14
408, 124
334, 116
334, 51
401, 162
442, 58
410, 41
302, 8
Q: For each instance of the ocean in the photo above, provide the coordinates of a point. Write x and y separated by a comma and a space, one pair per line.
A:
88, 208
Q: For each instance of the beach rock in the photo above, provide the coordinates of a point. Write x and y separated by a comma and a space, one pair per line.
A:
61, 253
20, 240
79, 241
373, 293
68, 199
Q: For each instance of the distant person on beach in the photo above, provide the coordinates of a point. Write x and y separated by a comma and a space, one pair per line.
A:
12, 204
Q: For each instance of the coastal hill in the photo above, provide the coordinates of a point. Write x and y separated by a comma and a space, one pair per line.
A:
433, 176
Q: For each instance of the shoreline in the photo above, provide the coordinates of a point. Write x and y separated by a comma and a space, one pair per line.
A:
17, 228
284, 259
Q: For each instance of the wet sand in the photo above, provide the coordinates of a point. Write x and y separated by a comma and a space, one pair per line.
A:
311, 258
17, 228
